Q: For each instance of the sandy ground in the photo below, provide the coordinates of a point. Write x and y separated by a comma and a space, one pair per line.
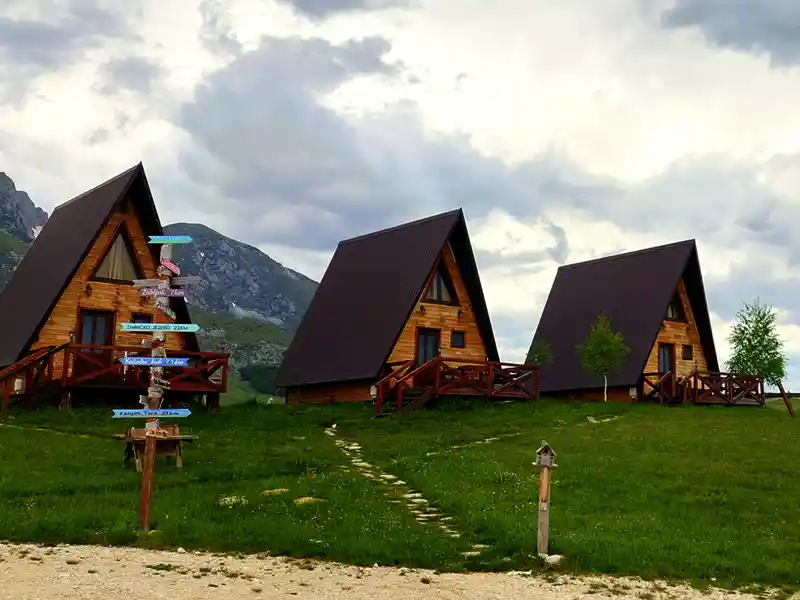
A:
88, 572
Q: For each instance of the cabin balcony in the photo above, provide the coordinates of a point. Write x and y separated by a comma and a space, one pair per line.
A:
408, 386
68, 367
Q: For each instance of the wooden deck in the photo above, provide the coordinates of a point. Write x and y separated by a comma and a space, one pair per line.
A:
407, 386
702, 388
50, 372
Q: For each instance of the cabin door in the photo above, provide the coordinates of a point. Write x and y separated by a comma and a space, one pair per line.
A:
427, 349
96, 329
666, 358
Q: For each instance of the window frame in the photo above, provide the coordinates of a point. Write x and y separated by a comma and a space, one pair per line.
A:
458, 332
690, 348
676, 306
442, 277
121, 231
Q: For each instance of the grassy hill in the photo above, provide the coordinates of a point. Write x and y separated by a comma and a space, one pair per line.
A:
704, 494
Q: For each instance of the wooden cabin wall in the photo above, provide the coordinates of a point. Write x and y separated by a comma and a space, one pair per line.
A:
123, 299
325, 393
445, 318
678, 333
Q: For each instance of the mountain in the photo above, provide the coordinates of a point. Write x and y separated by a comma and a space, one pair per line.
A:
19, 216
240, 279
246, 304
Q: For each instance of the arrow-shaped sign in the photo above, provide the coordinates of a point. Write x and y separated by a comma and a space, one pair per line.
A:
154, 361
187, 280
157, 292
176, 327
145, 283
150, 413
165, 262
170, 239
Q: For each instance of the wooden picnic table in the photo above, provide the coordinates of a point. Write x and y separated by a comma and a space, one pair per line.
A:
168, 442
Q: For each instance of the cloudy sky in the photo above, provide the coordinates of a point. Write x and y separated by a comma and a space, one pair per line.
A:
566, 129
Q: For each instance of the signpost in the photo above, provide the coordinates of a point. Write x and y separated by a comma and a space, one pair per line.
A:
166, 262
155, 292
161, 289
161, 327
150, 413
154, 361
170, 239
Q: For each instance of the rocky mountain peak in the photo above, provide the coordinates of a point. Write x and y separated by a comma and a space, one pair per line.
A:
19, 216
239, 279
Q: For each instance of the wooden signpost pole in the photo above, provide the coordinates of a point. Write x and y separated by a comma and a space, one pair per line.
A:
155, 390
155, 395
545, 461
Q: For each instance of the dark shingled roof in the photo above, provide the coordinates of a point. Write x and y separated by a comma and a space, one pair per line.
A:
634, 290
367, 295
58, 251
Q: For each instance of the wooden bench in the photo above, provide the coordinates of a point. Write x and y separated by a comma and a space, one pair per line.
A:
167, 443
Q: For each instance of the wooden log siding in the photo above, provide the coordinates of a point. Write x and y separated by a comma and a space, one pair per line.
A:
123, 299
678, 333
445, 318
324, 393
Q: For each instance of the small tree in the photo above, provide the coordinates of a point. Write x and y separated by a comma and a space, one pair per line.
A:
603, 350
540, 353
756, 348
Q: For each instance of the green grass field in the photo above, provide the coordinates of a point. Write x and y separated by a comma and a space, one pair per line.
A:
689, 493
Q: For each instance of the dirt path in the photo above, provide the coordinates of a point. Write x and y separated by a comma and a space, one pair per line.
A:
98, 573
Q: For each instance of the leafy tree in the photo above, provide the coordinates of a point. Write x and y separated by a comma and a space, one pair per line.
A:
540, 353
756, 348
603, 350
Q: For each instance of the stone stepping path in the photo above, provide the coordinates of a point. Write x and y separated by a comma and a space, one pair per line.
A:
398, 492
488, 440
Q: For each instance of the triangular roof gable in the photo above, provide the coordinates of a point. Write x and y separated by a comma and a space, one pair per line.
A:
634, 290
367, 295
58, 251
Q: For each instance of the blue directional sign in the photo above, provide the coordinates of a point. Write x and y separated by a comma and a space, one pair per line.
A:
153, 361
151, 413
170, 239
178, 327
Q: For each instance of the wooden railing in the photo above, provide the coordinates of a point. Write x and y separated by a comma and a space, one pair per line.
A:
83, 365
657, 386
458, 377
34, 370
724, 388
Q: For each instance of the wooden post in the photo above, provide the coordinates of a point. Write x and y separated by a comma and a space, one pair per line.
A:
544, 511
148, 469
545, 461
155, 397
6, 394
786, 400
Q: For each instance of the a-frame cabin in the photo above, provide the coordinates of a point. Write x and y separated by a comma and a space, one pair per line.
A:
398, 309
654, 297
61, 311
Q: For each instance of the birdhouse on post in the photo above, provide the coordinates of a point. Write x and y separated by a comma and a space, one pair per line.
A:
545, 460
545, 456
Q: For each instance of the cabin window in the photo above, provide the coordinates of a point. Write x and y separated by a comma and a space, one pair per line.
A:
119, 264
141, 318
440, 289
457, 340
675, 309
687, 353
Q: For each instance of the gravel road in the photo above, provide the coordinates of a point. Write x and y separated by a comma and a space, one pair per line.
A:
30, 572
